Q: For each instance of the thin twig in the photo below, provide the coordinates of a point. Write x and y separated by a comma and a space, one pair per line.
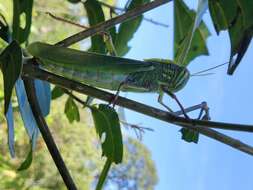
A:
67, 21
110, 23
196, 125
46, 134
114, 8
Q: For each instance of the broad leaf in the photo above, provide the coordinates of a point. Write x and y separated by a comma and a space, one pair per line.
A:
108, 128
223, 13
127, 29
189, 135
190, 32
56, 92
11, 65
21, 9
236, 16
71, 110
27, 162
95, 15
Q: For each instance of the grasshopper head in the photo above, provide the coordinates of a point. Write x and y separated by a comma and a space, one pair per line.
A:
173, 77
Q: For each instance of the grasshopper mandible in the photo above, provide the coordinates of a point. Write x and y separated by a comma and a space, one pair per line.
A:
115, 73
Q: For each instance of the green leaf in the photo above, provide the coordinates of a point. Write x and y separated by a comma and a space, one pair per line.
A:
240, 39
108, 128
56, 92
28, 161
11, 65
223, 13
4, 31
246, 7
189, 135
22, 9
71, 110
95, 15
190, 32
127, 29
74, 1
237, 17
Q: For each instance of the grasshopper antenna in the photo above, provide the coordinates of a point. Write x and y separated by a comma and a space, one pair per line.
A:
203, 72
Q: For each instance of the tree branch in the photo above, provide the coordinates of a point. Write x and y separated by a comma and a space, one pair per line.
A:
113, 8
196, 125
46, 134
110, 23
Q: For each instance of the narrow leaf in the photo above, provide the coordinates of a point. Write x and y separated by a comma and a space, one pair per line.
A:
21, 8
27, 162
189, 135
71, 110
11, 65
95, 15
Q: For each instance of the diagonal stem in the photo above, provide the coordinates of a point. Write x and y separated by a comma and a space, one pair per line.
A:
196, 125
46, 134
110, 23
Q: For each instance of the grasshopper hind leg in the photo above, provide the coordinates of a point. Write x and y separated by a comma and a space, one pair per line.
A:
204, 109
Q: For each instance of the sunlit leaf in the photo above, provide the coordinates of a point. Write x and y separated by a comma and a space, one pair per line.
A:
11, 65
71, 110
190, 32
106, 121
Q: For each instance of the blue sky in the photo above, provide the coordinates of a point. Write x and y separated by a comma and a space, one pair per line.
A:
209, 164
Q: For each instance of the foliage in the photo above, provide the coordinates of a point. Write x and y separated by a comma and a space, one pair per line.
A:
190, 42
81, 151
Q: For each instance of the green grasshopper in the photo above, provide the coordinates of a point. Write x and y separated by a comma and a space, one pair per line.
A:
115, 73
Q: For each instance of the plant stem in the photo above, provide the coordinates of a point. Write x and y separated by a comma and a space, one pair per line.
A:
110, 23
47, 136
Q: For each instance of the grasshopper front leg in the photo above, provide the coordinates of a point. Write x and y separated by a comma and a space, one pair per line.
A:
203, 106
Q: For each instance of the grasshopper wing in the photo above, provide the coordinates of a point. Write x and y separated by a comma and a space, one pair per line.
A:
85, 61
